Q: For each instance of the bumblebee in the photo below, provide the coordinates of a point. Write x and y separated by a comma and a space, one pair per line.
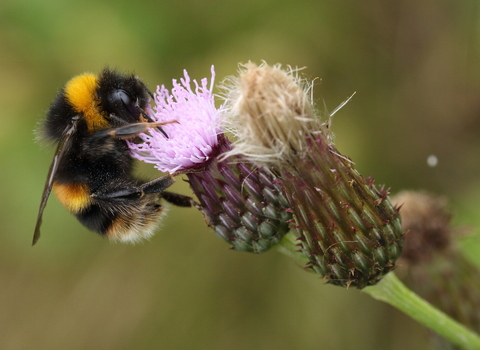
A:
91, 119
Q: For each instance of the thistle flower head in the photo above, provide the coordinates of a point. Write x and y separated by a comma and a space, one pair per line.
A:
239, 200
192, 140
270, 111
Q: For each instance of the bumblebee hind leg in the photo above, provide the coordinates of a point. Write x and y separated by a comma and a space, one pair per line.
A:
178, 199
160, 184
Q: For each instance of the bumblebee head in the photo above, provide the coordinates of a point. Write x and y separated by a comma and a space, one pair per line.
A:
123, 98
102, 101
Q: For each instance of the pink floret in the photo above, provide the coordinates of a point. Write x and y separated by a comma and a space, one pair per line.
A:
195, 135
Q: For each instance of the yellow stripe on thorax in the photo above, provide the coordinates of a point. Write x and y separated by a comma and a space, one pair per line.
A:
73, 196
81, 93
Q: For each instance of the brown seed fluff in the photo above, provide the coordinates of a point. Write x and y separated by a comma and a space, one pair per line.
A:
270, 112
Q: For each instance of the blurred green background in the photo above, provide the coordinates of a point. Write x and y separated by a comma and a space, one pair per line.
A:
415, 68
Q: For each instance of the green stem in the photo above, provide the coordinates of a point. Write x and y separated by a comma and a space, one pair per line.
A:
288, 247
392, 291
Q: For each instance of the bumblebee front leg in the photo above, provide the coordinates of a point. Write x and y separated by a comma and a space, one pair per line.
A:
130, 131
106, 141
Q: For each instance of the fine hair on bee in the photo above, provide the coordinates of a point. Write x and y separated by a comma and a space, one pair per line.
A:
91, 174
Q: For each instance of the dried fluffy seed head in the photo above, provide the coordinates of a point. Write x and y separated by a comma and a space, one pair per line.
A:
426, 220
270, 112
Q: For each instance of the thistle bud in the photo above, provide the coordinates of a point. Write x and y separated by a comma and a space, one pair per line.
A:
239, 200
346, 227
434, 266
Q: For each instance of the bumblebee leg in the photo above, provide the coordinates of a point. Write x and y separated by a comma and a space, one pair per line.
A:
126, 193
178, 199
158, 185
189, 171
130, 131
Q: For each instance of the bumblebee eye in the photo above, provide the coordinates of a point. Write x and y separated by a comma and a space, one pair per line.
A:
119, 96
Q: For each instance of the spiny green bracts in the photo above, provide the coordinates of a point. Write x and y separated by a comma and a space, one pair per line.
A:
347, 228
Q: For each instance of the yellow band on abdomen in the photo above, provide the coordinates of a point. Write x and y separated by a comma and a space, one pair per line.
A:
74, 196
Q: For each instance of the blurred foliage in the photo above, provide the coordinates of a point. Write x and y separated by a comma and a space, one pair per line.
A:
415, 68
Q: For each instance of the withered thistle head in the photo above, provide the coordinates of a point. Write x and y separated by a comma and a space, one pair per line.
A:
426, 221
347, 227
434, 266
269, 112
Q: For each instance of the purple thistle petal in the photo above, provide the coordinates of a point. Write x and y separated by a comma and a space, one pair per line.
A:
193, 138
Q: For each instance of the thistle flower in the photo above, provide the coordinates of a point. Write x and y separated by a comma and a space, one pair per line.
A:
348, 229
434, 266
240, 201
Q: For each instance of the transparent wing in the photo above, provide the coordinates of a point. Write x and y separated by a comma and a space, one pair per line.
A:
62, 147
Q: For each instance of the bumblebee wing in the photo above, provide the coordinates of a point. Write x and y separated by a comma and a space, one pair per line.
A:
63, 145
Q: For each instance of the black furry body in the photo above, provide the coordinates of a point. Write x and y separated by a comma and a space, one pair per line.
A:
91, 118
